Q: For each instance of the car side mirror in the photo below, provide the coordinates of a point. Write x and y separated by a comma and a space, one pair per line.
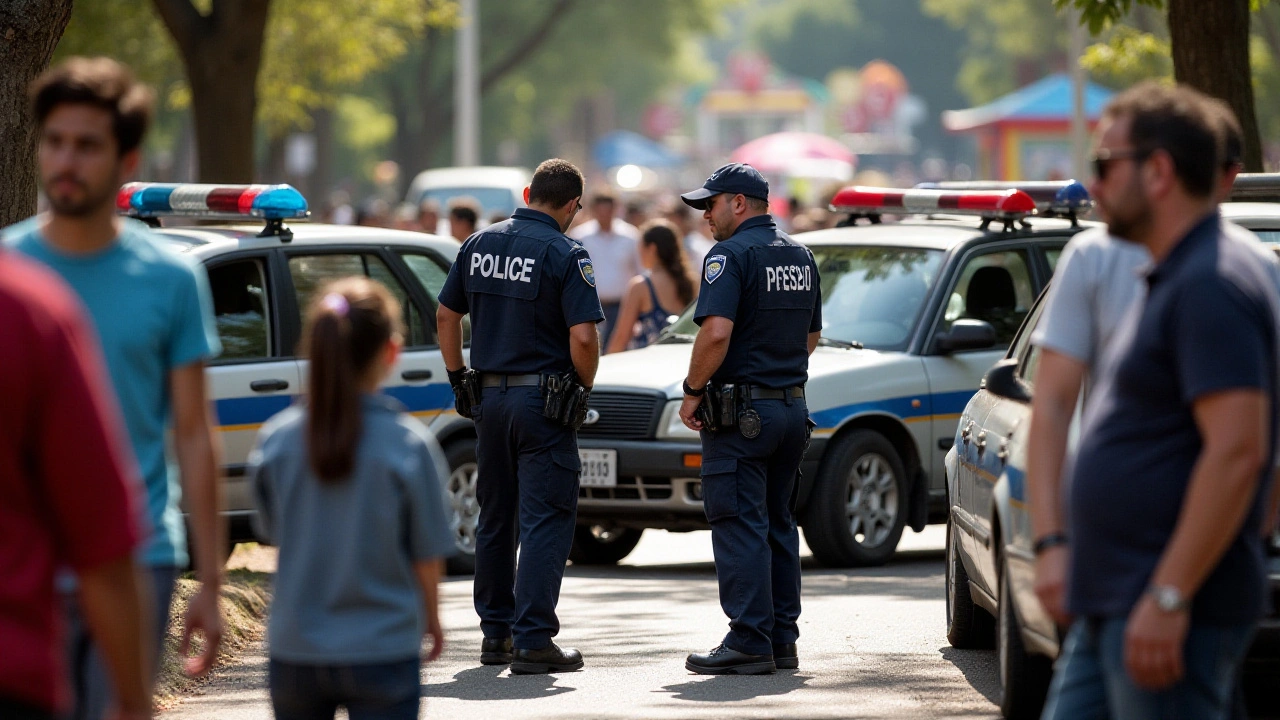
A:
1002, 381
966, 334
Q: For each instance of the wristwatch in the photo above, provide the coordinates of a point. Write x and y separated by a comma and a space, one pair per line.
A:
690, 391
1168, 598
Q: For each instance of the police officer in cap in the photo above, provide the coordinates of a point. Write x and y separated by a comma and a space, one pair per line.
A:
760, 312
531, 294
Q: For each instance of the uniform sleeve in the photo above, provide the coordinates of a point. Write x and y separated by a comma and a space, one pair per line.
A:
88, 474
1214, 314
722, 280
454, 293
579, 300
1067, 325
260, 485
429, 532
194, 333
815, 321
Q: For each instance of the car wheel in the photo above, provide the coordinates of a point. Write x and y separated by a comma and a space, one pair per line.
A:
859, 504
1024, 677
968, 625
600, 545
464, 508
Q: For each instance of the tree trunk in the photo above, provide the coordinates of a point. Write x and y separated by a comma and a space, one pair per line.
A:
222, 52
29, 31
1210, 44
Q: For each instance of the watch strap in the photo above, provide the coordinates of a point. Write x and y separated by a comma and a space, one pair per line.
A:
1051, 540
690, 391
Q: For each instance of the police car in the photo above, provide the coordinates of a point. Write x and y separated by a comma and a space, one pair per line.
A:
914, 312
990, 564
262, 274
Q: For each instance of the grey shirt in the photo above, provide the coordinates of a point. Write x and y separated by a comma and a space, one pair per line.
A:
345, 589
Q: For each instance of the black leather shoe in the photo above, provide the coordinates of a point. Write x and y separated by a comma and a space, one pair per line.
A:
785, 657
547, 660
727, 661
495, 651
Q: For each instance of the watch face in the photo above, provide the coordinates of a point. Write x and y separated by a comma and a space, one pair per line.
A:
1168, 598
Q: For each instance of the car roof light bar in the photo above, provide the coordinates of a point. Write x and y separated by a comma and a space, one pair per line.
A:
995, 204
1256, 187
1053, 198
273, 203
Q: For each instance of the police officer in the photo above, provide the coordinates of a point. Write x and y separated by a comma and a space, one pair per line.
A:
531, 294
760, 313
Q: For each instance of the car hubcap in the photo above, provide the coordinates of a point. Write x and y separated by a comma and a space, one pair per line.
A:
872, 500
466, 509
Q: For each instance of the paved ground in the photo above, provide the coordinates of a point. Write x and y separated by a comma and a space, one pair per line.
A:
872, 646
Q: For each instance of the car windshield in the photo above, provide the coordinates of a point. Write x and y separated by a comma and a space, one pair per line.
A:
870, 295
493, 200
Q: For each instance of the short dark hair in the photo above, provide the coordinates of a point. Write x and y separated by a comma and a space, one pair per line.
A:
102, 83
757, 204
465, 209
1177, 120
1232, 134
555, 183
601, 197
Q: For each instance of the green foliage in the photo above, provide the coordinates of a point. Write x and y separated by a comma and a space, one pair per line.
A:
1004, 36
1099, 15
1129, 56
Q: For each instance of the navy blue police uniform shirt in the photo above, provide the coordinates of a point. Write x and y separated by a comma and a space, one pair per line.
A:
524, 283
767, 284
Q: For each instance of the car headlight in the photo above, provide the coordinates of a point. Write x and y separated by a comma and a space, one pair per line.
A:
670, 427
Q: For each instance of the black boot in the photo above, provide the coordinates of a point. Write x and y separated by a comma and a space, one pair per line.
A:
547, 660
727, 661
785, 657
495, 651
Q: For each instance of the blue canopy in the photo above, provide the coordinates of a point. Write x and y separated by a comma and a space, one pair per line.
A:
623, 147
1045, 99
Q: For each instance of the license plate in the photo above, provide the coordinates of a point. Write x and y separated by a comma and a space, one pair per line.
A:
599, 468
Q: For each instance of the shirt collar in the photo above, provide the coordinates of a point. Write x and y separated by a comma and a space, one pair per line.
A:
1200, 233
765, 220
531, 214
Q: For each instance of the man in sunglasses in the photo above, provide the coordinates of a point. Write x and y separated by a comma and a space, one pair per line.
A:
1165, 598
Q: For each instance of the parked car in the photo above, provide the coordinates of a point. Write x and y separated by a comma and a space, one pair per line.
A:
914, 312
499, 190
261, 280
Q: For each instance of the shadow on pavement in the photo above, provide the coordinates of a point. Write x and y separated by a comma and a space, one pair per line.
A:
734, 688
493, 683
979, 669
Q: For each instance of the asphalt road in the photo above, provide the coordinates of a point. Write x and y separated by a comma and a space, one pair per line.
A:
872, 646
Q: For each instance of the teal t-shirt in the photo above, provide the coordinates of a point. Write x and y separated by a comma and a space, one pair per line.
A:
153, 312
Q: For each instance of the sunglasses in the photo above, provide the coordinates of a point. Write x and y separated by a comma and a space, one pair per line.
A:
1102, 159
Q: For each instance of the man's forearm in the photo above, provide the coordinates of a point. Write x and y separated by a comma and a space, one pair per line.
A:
708, 355
1218, 498
197, 461
450, 331
428, 574
586, 358
118, 613
1046, 449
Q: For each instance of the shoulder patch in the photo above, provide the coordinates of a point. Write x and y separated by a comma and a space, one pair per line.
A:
588, 272
714, 268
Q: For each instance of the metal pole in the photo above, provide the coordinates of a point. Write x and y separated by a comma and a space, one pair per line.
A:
1079, 121
466, 90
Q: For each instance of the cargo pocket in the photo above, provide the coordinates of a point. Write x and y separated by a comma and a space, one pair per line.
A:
562, 486
720, 488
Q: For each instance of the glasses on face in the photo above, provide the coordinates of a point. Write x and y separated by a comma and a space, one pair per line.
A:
1103, 158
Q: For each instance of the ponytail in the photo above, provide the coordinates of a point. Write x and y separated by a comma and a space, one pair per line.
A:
662, 235
348, 325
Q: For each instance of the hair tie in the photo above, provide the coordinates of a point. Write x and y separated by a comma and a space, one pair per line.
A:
337, 302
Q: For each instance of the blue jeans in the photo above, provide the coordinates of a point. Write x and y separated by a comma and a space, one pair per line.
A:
378, 691
1090, 680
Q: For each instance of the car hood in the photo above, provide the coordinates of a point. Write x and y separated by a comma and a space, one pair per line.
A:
663, 367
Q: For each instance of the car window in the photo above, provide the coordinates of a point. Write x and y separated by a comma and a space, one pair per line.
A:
241, 310
1027, 354
431, 271
312, 272
1051, 255
994, 287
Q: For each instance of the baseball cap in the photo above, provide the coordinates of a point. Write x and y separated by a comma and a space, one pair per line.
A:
735, 179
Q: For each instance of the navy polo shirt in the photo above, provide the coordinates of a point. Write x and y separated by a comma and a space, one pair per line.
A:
1208, 324
524, 283
767, 284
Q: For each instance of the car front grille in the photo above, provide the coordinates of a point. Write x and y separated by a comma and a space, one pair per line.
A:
623, 416
631, 488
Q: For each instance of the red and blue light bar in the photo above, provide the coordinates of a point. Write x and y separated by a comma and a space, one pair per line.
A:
268, 202
1006, 204
1053, 198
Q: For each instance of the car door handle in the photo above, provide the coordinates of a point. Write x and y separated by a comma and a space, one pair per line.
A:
412, 375
273, 385
1003, 455
964, 434
982, 441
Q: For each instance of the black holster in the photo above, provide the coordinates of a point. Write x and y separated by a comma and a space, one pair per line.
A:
564, 398
466, 393
720, 407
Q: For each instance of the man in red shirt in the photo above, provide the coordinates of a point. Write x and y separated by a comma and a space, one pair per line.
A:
68, 497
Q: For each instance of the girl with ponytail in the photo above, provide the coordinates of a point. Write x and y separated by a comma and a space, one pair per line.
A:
663, 291
348, 486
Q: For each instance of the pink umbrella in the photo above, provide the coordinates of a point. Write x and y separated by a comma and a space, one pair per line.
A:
780, 151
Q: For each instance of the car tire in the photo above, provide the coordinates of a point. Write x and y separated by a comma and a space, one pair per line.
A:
463, 507
968, 625
858, 507
1024, 677
599, 545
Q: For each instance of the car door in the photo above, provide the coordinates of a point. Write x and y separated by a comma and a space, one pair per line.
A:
256, 376
419, 380
992, 284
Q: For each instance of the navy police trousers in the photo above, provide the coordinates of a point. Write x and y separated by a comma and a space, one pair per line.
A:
528, 494
748, 492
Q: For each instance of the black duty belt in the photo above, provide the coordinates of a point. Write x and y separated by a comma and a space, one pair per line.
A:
759, 393
489, 380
